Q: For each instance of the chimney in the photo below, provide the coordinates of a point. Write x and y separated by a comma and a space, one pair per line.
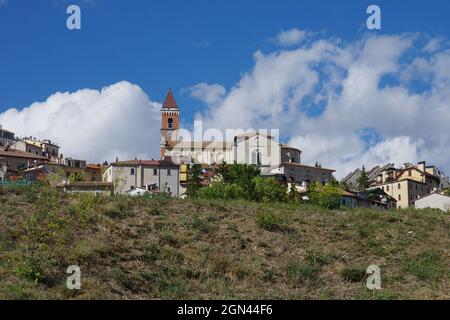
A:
421, 166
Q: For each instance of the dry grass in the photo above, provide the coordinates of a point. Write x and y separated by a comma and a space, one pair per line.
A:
172, 249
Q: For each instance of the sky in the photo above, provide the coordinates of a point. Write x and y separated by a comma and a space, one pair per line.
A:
345, 95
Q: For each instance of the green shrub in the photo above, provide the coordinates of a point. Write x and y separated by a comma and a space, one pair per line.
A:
267, 189
427, 266
327, 197
316, 258
31, 269
300, 272
269, 220
221, 190
354, 273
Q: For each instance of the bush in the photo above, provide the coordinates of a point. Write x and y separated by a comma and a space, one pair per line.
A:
222, 191
269, 221
354, 273
269, 190
300, 272
326, 197
427, 266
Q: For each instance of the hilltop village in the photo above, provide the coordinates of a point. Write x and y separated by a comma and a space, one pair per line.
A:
28, 159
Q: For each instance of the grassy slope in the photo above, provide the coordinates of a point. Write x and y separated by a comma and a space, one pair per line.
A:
150, 249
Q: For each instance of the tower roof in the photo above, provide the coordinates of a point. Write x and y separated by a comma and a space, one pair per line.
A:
170, 101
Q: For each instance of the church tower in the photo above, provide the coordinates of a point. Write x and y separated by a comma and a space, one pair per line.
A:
169, 122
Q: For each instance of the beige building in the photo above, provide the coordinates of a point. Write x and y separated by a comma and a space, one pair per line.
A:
19, 160
152, 175
43, 148
408, 184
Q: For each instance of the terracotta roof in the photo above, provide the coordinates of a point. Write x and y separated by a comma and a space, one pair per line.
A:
94, 166
165, 161
20, 154
170, 101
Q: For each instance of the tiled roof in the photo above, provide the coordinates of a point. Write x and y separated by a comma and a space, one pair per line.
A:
20, 154
165, 161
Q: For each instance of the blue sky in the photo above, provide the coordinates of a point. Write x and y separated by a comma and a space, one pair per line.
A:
162, 44
344, 95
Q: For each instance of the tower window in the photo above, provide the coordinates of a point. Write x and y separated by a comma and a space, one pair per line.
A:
170, 123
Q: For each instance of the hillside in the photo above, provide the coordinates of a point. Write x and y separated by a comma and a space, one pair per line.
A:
166, 248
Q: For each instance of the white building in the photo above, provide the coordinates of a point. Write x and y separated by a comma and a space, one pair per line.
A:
152, 175
434, 201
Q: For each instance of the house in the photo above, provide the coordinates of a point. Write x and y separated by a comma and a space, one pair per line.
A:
43, 169
19, 160
435, 201
376, 199
352, 178
275, 159
94, 172
47, 148
407, 184
155, 175
6, 137
349, 199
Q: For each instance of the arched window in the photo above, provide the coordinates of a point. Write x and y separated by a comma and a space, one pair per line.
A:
170, 123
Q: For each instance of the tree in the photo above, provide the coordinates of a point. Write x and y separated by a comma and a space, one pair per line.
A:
363, 180
241, 174
195, 174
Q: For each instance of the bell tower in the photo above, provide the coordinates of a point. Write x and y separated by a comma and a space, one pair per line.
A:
170, 123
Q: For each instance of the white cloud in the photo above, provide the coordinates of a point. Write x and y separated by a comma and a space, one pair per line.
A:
291, 37
210, 94
117, 121
322, 93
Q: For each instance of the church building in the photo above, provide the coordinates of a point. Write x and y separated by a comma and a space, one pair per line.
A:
261, 149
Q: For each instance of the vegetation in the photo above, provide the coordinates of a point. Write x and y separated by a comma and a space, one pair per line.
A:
363, 180
243, 182
164, 248
326, 197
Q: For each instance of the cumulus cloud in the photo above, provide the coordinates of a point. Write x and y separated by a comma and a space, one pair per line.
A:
291, 37
323, 93
209, 93
96, 125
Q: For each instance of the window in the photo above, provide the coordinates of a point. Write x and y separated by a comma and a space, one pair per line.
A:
387, 188
170, 123
132, 171
155, 172
399, 186
399, 197
168, 172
